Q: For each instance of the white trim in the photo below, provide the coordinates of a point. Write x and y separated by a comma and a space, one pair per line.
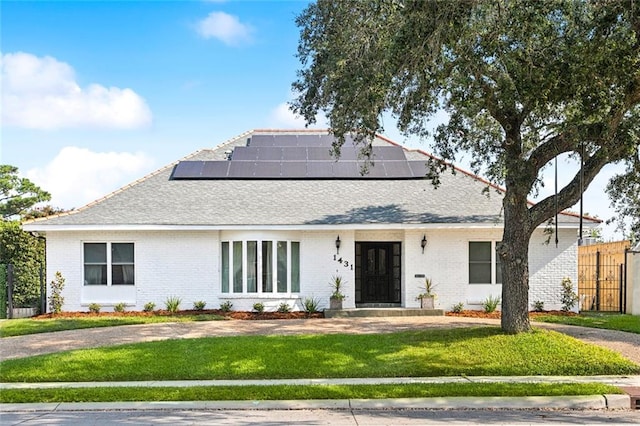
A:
357, 227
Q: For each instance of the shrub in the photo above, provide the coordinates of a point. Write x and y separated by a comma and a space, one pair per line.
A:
490, 304
95, 308
457, 308
538, 306
284, 307
199, 305
258, 307
311, 304
55, 299
119, 307
226, 306
149, 307
569, 298
173, 304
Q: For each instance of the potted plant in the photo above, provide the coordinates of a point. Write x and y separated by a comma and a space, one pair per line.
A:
427, 297
336, 298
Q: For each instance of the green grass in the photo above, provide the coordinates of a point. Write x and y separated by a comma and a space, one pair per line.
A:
284, 392
20, 327
436, 352
630, 323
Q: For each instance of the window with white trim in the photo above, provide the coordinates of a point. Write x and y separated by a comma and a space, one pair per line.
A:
484, 263
109, 264
260, 266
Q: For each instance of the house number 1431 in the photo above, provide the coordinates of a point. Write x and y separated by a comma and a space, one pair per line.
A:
343, 262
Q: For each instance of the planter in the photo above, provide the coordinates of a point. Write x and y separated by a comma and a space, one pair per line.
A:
427, 303
335, 303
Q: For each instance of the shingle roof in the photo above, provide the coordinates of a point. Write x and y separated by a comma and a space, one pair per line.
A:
158, 200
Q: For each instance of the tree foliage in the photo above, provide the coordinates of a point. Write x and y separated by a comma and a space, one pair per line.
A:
17, 194
624, 192
522, 82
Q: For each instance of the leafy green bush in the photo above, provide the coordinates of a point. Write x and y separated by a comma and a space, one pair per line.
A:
119, 307
258, 307
568, 297
94, 308
172, 304
226, 306
311, 304
199, 305
284, 308
56, 301
538, 306
457, 308
490, 304
149, 307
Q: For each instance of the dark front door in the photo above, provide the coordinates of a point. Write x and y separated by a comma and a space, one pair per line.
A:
377, 272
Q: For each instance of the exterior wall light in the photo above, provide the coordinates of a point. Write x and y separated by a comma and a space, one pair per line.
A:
423, 243
338, 244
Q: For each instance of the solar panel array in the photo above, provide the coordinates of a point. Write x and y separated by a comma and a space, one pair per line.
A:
303, 157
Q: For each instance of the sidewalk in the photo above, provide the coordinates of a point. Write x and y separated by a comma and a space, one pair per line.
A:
585, 402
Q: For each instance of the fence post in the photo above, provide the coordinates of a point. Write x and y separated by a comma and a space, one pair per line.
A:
10, 291
43, 292
598, 280
622, 287
3, 291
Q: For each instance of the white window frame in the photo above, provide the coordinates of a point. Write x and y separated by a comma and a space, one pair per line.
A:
494, 262
259, 269
109, 264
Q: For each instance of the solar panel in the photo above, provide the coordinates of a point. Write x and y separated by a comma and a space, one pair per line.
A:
293, 169
298, 153
267, 169
269, 154
419, 169
241, 169
373, 170
319, 169
187, 170
285, 140
396, 169
385, 153
245, 153
215, 169
319, 154
262, 140
346, 169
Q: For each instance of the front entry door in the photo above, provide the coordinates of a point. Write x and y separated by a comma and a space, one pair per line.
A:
377, 272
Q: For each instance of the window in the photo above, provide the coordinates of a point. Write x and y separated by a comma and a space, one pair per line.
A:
109, 264
484, 263
260, 266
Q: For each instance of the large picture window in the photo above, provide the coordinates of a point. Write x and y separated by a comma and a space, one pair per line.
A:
109, 264
484, 263
260, 266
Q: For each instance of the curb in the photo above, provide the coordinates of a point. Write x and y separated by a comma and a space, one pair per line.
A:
592, 402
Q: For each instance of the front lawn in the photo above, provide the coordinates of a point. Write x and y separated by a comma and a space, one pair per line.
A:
630, 323
284, 392
434, 352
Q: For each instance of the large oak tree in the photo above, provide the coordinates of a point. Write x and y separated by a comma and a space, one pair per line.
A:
522, 82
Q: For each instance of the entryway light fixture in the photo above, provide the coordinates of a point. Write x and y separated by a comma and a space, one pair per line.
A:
423, 243
338, 244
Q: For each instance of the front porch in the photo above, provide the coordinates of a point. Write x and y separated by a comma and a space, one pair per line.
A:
381, 312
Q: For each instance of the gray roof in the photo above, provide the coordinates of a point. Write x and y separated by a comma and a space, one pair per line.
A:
158, 200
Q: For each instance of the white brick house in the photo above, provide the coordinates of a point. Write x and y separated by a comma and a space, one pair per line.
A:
257, 219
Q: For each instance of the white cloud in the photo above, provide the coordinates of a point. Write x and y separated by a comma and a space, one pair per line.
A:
77, 176
282, 117
42, 93
226, 28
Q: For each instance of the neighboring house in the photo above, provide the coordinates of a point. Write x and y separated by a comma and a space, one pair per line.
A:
270, 217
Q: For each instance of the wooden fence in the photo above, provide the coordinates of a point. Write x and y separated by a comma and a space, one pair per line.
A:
601, 276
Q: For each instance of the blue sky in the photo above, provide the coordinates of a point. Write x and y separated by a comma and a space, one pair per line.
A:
97, 94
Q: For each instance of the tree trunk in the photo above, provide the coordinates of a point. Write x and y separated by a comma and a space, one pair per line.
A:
514, 258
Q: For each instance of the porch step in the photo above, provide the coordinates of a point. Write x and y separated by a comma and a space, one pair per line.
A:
381, 312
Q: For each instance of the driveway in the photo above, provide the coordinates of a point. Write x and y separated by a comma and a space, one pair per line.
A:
628, 344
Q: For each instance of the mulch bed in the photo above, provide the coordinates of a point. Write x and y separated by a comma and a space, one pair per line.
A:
243, 315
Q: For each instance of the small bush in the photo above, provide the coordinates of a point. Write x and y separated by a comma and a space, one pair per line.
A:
199, 305
457, 308
258, 307
95, 308
226, 306
56, 301
490, 304
311, 304
568, 297
284, 308
173, 304
119, 307
538, 306
149, 307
